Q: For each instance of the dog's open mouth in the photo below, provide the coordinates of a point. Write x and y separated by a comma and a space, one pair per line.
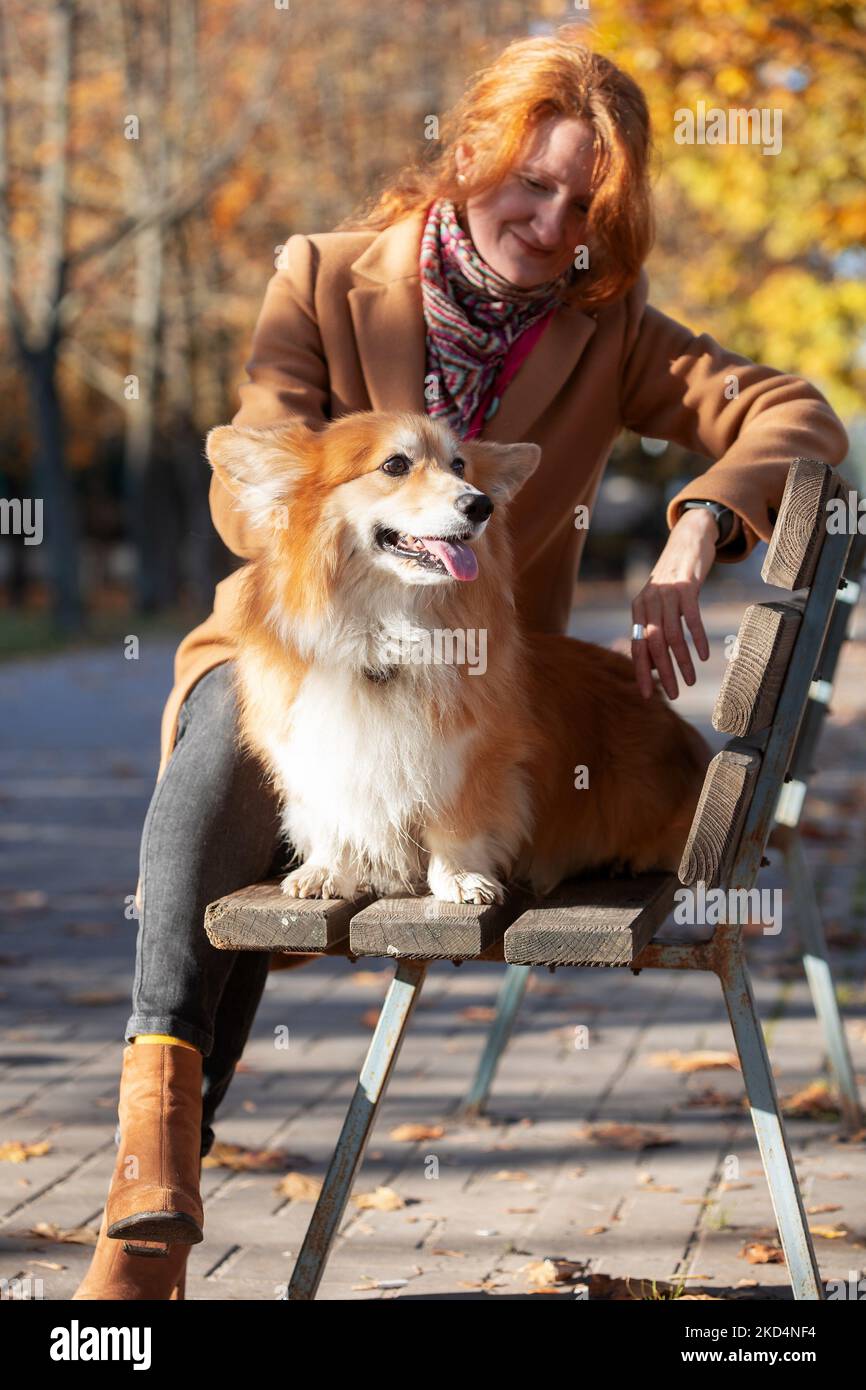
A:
442, 554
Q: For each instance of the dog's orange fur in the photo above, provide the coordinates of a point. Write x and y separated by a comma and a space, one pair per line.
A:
545, 706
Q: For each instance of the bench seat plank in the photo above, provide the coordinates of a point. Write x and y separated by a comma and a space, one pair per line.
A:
592, 921
407, 927
262, 918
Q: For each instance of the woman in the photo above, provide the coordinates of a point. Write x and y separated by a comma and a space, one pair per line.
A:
501, 287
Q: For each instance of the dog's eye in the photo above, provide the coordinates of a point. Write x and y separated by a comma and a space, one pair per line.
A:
396, 464
459, 466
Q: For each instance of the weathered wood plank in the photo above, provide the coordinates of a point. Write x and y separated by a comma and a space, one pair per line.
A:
262, 918
801, 524
718, 821
408, 927
592, 921
750, 689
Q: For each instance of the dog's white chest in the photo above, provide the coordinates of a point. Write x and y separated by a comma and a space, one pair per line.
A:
362, 771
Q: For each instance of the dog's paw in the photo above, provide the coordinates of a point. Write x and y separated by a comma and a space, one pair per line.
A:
315, 881
460, 887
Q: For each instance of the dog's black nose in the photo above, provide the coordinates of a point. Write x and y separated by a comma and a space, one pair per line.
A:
475, 506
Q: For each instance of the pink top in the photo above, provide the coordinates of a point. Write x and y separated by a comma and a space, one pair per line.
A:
514, 358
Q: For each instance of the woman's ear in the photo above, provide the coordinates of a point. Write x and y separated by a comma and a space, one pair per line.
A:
261, 467
502, 469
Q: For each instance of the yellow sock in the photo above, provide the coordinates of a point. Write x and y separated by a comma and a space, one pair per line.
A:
163, 1038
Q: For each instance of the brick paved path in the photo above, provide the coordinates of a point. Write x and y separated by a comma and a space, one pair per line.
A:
482, 1202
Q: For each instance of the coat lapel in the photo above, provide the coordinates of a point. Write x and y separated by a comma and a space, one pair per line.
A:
388, 319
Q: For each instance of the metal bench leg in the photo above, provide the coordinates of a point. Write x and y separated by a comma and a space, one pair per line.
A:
817, 966
767, 1119
357, 1126
508, 1002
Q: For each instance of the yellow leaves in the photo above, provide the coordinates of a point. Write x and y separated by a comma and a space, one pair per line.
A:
300, 1187
411, 1134
693, 1061
14, 1151
243, 1160
383, 1199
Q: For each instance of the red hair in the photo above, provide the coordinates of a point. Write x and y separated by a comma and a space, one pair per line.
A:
531, 81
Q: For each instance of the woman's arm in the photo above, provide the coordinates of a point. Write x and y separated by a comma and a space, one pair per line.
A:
287, 375
754, 421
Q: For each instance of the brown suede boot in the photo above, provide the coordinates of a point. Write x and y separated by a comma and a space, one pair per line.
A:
154, 1193
157, 1274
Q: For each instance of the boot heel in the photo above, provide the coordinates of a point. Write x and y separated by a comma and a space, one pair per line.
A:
173, 1228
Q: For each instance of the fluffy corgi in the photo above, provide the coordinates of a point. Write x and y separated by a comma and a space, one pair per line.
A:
404, 760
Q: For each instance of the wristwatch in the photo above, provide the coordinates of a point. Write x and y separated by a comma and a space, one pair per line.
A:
724, 517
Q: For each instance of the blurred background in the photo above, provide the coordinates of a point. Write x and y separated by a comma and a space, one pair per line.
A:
155, 154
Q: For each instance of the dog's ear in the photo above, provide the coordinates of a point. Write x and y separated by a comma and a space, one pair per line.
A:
260, 466
503, 468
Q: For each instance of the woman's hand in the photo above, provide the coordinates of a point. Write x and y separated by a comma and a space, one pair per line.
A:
671, 595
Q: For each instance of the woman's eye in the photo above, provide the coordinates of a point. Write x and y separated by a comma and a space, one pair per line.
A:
459, 466
396, 464
533, 183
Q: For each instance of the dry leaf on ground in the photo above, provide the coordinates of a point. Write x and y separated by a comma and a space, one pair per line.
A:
759, 1253
619, 1136
693, 1061
300, 1187
14, 1151
553, 1271
383, 1199
409, 1133
73, 1235
242, 1160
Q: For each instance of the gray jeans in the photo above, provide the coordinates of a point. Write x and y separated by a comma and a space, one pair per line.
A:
212, 827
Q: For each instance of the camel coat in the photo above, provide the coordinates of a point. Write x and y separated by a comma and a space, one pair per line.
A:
342, 329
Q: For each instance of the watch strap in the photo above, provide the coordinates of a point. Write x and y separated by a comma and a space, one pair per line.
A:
724, 516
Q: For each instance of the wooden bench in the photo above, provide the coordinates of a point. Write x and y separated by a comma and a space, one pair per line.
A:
773, 701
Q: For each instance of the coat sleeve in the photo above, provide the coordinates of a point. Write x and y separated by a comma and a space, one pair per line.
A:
287, 375
753, 421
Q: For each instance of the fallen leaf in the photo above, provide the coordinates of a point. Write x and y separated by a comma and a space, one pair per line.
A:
553, 1271
595, 1230
383, 1199
646, 1183
510, 1175
410, 1134
73, 1235
734, 1186
693, 1061
478, 1013
13, 1151
242, 1160
822, 1207
452, 1254
520, 1211
757, 1253
813, 1102
619, 1136
371, 977
829, 1232
300, 1187
369, 1018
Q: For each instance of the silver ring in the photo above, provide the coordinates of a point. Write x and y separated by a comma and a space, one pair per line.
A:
637, 632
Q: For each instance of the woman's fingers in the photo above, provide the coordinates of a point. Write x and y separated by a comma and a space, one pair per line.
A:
695, 624
675, 637
662, 613
655, 650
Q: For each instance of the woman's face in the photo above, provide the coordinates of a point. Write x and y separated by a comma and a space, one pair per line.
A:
528, 226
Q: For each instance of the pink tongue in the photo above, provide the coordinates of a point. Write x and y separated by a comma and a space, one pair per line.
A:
458, 559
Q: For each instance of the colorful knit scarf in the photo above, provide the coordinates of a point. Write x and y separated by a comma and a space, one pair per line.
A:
473, 315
